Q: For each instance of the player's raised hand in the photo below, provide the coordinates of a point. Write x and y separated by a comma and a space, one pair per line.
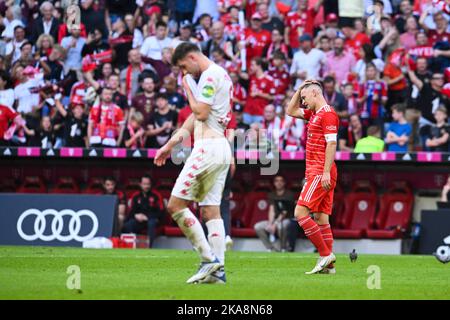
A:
326, 181
161, 155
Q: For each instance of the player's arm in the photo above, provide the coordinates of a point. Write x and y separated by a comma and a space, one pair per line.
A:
293, 108
183, 133
330, 126
200, 109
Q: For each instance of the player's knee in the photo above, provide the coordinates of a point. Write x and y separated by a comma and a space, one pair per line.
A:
301, 212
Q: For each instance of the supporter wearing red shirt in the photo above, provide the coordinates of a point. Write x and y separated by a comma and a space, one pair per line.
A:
422, 49
354, 40
261, 92
440, 34
106, 122
239, 92
7, 117
280, 74
300, 22
256, 39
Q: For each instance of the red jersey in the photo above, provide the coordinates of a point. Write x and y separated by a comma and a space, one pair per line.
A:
229, 3
255, 105
281, 79
434, 37
233, 29
421, 51
239, 92
106, 120
78, 92
356, 43
256, 42
320, 124
7, 115
299, 24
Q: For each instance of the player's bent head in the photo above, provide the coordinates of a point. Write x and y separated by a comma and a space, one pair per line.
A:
185, 52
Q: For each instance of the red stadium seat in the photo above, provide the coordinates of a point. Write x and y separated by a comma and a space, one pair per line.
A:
132, 186
32, 184
338, 208
66, 185
396, 208
257, 205
8, 185
95, 186
360, 209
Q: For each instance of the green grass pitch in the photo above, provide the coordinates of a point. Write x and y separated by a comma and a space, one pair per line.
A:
41, 273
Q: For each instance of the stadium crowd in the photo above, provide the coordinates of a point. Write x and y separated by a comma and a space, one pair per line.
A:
108, 81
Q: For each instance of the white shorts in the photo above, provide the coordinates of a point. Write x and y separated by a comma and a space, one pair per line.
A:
203, 176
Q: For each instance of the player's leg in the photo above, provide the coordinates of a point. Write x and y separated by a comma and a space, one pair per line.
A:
191, 227
323, 220
216, 230
193, 230
310, 200
311, 230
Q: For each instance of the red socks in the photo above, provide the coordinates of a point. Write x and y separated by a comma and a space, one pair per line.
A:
312, 231
327, 235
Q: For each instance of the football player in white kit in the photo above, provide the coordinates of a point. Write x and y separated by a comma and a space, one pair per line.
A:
203, 176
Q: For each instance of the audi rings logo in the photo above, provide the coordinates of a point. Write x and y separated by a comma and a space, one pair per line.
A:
57, 225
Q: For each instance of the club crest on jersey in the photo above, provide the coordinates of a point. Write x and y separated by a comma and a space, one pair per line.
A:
208, 91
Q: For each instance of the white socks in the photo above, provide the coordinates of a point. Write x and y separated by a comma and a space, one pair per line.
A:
216, 238
192, 229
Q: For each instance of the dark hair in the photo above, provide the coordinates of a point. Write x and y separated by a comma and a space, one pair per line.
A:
161, 95
279, 55
110, 178
324, 37
260, 62
369, 55
25, 44
373, 130
329, 79
182, 50
5, 76
147, 176
18, 27
161, 23
399, 107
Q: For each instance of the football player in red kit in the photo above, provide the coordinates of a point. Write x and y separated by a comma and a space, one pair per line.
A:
321, 173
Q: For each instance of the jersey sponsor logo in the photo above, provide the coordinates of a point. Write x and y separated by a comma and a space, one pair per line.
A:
331, 128
208, 91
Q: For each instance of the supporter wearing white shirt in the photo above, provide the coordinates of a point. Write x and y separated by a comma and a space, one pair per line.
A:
13, 47
6, 95
307, 62
185, 35
11, 20
26, 99
153, 46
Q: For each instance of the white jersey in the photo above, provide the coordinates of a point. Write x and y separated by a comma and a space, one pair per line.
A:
215, 89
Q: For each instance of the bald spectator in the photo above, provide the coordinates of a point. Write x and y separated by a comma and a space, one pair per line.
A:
218, 40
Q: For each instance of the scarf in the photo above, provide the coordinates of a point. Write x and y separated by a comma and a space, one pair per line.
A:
129, 81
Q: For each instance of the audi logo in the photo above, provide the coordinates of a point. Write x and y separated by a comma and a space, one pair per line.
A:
57, 225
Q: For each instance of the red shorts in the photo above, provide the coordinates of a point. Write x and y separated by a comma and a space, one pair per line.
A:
315, 197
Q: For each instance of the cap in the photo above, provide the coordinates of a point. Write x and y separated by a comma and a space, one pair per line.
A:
283, 8
332, 17
256, 16
305, 37
238, 108
153, 10
185, 24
